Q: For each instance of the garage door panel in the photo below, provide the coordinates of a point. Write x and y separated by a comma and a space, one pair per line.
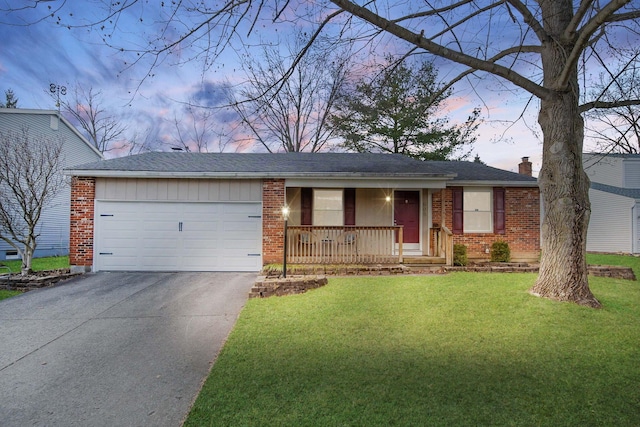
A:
120, 248
236, 244
116, 234
121, 262
164, 236
239, 227
201, 247
237, 208
158, 263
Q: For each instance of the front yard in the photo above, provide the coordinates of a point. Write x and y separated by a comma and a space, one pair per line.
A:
460, 349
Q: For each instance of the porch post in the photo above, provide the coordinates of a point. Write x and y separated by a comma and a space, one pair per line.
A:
400, 244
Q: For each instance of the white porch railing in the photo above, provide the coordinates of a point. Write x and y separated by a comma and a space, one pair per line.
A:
344, 245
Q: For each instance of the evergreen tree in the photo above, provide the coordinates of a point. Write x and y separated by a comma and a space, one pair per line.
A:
11, 100
400, 111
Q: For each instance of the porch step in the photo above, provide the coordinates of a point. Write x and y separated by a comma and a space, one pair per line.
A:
423, 260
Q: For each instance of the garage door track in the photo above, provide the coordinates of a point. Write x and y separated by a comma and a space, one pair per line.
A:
114, 349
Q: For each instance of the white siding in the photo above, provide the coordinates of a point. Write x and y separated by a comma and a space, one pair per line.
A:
610, 227
631, 173
187, 190
54, 223
604, 170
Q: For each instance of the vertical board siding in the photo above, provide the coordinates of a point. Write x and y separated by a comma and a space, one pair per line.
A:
188, 190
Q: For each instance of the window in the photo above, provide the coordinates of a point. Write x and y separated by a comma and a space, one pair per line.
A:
478, 210
327, 207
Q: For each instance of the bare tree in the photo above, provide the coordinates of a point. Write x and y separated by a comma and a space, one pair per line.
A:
540, 53
86, 109
536, 47
30, 178
137, 144
205, 128
617, 129
288, 109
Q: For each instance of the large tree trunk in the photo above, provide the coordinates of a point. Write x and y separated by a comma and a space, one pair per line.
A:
564, 186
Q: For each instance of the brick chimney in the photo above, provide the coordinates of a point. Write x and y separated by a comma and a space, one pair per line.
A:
525, 168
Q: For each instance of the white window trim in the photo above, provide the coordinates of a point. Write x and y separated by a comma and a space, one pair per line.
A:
466, 212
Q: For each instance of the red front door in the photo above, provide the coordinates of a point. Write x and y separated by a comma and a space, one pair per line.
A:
406, 212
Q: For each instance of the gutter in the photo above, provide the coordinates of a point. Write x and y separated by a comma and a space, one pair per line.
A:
251, 175
479, 183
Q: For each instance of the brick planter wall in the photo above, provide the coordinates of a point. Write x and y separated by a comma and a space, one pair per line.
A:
522, 206
83, 192
273, 199
290, 286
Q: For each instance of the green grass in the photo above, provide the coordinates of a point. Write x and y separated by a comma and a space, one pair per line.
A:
8, 294
455, 350
608, 259
39, 264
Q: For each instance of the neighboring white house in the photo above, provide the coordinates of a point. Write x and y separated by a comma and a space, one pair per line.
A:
615, 202
54, 223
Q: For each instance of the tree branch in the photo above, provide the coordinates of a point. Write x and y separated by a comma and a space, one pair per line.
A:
608, 104
593, 25
439, 50
529, 19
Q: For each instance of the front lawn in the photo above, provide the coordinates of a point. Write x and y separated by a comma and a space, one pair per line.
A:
455, 350
39, 264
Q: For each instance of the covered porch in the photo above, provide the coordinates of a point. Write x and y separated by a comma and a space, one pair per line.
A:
365, 223
362, 245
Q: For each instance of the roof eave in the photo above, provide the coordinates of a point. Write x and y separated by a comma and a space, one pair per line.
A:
249, 175
493, 183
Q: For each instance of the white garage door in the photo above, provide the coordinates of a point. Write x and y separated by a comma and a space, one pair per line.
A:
159, 236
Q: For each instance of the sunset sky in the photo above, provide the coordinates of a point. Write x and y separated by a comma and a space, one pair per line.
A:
34, 56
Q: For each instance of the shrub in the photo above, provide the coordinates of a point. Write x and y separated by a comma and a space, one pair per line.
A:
460, 255
500, 252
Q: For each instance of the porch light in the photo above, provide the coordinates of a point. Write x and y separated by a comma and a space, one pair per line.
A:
387, 199
285, 216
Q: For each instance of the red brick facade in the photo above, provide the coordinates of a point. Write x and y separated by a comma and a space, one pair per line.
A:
522, 206
83, 192
522, 221
272, 222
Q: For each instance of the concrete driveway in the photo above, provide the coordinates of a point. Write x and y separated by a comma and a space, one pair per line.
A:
114, 349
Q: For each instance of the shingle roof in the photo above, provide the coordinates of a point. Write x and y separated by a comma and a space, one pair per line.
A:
294, 164
619, 155
633, 193
472, 171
